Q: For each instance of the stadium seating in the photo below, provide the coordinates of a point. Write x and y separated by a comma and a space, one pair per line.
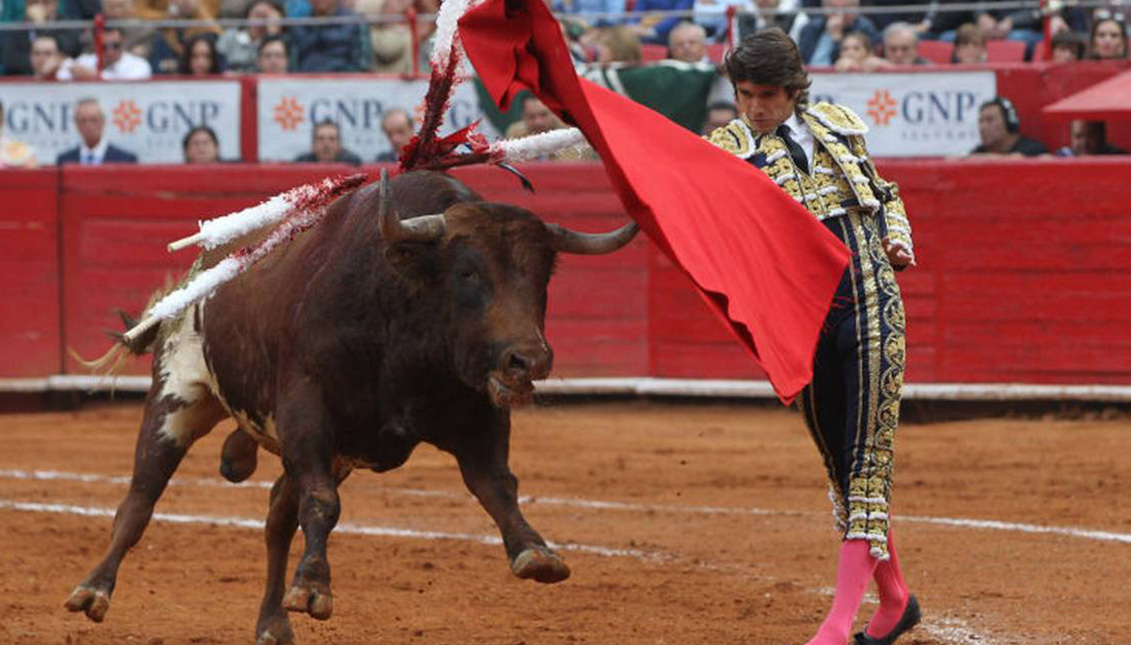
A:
1005, 51
936, 51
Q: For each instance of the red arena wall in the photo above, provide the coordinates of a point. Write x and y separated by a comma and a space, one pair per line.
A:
1022, 277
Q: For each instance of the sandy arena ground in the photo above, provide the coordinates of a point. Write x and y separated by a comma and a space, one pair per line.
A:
684, 524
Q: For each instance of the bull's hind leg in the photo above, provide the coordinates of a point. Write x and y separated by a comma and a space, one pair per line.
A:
482, 461
273, 626
172, 422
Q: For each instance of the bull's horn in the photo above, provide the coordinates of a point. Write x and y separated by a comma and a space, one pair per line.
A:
567, 241
423, 228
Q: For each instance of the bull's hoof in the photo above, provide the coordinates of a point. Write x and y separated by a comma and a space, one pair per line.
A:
318, 602
239, 457
540, 564
92, 600
275, 631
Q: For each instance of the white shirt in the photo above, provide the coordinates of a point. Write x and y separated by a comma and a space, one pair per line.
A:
128, 68
93, 156
799, 132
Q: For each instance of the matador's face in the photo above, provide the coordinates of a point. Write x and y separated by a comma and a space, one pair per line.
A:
764, 107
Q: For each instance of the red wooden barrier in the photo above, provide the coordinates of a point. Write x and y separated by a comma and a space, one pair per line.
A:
29, 273
1024, 267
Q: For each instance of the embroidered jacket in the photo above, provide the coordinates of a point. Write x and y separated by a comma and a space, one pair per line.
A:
842, 175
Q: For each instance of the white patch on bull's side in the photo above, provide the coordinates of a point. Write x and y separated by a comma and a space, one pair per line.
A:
265, 435
185, 378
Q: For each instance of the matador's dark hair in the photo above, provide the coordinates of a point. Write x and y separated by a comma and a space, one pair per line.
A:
770, 57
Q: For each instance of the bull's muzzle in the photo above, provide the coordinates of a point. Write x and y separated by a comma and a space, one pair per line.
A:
519, 366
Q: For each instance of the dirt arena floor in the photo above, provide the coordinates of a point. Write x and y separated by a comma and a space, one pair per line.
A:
684, 524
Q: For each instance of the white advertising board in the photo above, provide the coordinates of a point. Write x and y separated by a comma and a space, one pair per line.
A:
148, 118
912, 115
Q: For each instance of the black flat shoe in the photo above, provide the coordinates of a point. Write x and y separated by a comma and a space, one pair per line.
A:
909, 619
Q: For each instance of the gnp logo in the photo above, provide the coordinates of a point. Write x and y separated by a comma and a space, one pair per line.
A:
127, 116
881, 107
289, 113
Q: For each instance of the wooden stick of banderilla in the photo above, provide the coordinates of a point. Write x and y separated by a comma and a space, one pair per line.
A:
215, 232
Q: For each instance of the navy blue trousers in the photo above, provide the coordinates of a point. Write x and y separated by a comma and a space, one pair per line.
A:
852, 405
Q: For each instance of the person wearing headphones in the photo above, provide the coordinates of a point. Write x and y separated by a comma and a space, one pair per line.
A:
999, 127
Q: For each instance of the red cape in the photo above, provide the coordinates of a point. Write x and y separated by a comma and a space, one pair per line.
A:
762, 261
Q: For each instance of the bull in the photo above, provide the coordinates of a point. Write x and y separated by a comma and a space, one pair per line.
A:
413, 313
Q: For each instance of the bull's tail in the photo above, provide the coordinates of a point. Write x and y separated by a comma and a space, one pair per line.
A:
111, 363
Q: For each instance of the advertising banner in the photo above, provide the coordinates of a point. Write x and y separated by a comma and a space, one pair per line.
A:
149, 119
925, 114
289, 108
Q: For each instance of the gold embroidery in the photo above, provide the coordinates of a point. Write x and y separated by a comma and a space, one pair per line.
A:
733, 137
838, 118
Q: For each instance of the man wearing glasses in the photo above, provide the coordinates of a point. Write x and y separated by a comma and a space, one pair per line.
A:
117, 64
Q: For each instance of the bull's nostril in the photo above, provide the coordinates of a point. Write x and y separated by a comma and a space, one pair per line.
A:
520, 362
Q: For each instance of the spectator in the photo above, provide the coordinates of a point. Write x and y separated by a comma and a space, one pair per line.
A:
920, 21
819, 40
14, 154
901, 45
239, 47
326, 146
1089, 138
687, 42
653, 27
969, 46
999, 126
391, 38
15, 46
765, 14
711, 15
328, 48
46, 59
583, 9
616, 44
199, 57
117, 64
165, 56
858, 55
94, 150
138, 34
399, 130
719, 114
1068, 47
201, 145
1108, 40
273, 56
536, 119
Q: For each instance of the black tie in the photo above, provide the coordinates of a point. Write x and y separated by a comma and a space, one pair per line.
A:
795, 150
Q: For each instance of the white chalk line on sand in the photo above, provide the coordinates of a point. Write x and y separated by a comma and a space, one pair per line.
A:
345, 527
956, 522
953, 632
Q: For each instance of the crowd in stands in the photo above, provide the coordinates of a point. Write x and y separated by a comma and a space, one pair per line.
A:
376, 36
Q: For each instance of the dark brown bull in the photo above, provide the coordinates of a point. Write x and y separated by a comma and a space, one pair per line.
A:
346, 349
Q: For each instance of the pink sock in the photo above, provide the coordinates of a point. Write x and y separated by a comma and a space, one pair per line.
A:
893, 595
853, 572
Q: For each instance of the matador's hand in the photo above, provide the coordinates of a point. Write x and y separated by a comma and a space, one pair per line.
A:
898, 254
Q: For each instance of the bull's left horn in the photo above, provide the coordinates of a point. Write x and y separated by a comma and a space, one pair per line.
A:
567, 241
423, 228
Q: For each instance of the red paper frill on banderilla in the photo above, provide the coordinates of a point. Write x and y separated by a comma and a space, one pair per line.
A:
764, 264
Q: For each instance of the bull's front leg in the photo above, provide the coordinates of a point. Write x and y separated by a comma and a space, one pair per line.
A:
483, 463
307, 437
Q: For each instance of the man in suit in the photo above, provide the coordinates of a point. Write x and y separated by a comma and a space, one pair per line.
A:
326, 146
94, 149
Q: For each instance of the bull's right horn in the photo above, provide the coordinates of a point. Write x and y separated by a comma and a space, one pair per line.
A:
423, 228
569, 241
